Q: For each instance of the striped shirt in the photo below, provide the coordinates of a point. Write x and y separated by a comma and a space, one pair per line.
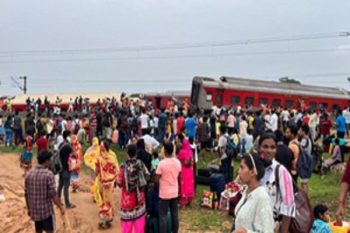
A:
283, 203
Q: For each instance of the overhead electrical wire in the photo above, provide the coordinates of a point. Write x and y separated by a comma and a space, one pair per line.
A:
174, 46
140, 57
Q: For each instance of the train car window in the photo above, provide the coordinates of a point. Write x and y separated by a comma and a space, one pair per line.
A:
289, 103
313, 105
324, 106
235, 99
209, 97
249, 100
219, 98
263, 101
276, 102
335, 107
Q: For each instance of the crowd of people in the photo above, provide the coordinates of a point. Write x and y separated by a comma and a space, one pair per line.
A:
162, 145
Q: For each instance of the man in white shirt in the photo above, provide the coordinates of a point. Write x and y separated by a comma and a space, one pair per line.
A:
274, 122
144, 118
313, 125
243, 126
150, 142
285, 118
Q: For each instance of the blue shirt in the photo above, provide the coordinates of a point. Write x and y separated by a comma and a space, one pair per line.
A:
341, 123
320, 226
191, 125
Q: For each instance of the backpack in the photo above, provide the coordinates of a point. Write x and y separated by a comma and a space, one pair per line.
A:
303, 220
56, 162
231, 147
304, 164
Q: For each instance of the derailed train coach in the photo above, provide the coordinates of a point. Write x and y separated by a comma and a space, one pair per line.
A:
231, 91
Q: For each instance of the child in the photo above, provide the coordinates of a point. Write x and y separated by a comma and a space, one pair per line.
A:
320, 224
155, 161
74, 168
27, 154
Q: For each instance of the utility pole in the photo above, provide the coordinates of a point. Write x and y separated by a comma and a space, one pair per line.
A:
24, 84
22, 88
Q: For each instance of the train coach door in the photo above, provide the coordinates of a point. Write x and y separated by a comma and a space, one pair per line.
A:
219, 98
158, 101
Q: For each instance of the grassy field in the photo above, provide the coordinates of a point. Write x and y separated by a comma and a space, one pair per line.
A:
196, 219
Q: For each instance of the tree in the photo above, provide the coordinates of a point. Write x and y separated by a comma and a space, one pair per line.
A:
288, 80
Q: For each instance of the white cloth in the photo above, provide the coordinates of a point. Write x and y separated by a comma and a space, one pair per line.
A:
149, 140
222, 147
274, 122
144, 118
254, 213
285, 115
243, 125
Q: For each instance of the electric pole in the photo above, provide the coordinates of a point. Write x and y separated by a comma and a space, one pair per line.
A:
24, 84
22, 88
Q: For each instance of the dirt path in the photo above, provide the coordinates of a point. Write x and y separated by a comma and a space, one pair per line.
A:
13, 212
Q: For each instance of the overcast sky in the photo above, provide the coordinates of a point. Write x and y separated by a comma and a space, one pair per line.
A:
48, 29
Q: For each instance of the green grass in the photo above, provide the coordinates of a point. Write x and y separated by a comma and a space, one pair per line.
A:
196, 219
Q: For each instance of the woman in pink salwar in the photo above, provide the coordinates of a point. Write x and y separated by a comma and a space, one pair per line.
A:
185, 156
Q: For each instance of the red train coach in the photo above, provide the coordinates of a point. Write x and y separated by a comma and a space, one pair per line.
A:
232, 91
160, 100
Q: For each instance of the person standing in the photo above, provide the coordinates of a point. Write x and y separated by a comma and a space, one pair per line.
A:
8, 130
144, 119
341, 125
92, 124
106, 174
65, 151
18, 129
133, 200
185, 156
253, 212
168, 175
291, 135
163, 118
225, 159
191, 126
40, 185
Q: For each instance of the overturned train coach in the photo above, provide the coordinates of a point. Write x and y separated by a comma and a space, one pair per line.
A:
232, 91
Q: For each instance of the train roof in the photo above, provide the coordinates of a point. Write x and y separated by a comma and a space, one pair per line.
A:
273, 87
93, 97
165, 93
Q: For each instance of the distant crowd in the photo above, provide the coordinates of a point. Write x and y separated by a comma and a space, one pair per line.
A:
278, 148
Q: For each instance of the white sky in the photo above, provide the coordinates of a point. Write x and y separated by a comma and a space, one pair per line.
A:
47, 26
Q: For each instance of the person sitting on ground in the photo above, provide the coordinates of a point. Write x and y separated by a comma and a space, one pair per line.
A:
320, 224
336, 156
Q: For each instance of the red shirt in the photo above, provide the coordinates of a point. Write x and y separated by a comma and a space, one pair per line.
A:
325, 126
180, 124
42, 144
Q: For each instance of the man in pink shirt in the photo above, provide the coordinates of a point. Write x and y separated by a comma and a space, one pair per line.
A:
168, 175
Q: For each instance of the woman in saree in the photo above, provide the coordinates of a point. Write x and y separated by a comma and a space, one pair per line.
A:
106, 174
185, 156
90, 158
75, 162
132, 205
